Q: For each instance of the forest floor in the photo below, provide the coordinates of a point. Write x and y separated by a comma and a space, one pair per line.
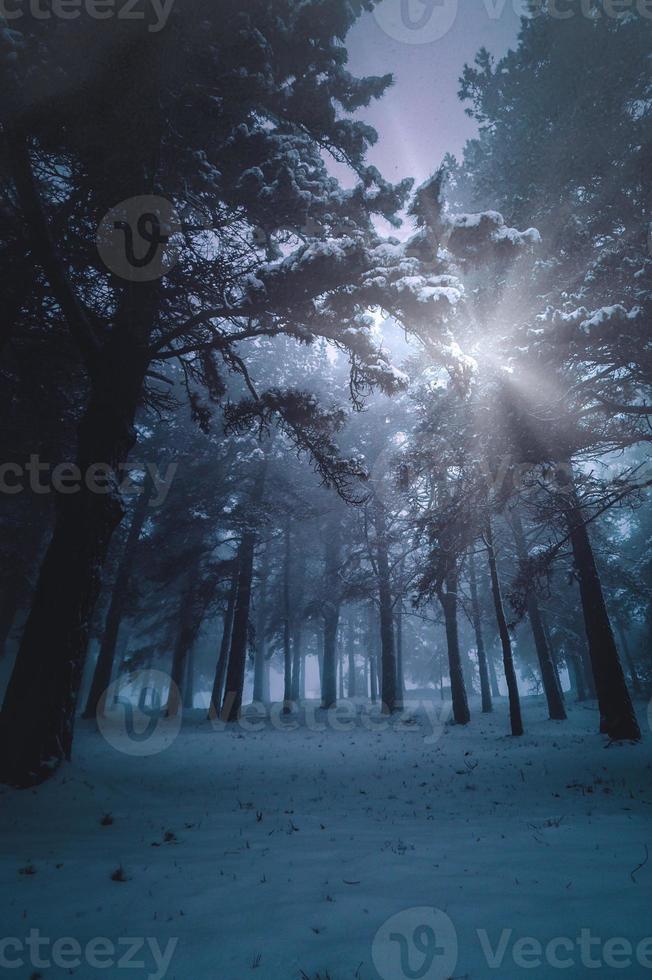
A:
278, 855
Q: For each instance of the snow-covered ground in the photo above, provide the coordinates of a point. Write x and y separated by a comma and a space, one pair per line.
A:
269, 853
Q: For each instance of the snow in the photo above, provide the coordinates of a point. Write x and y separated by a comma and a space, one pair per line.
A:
296, 846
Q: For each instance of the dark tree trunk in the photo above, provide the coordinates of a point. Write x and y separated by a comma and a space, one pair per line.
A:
493, 677
260, 656
287, 621
37, 722
320, 642
104, 666
485, 688
618, 719
122, 650
448, 599
576, 670
189, 681
387, 650
372, 654
331, 611
505, 640
38, 714
551, 685
400, 682
11, 600
237, 661
189, 624
225, 645
631, 666
351, 678
297, 662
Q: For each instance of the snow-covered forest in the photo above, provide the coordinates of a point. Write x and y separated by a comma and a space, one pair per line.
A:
326, 582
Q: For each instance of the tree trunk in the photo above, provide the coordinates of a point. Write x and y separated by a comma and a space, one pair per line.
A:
400, 682
351, 678
551, 685
576, 670
287, 625
493, 677
223, 656
617, 716
506, 643
373, 654
260, 656
189, 681
631, 666
448, 599
331, 612
104, 666
237, 660
188, 628
388, 653
11, 600
485, 688
38, 714
296, 662
37, 720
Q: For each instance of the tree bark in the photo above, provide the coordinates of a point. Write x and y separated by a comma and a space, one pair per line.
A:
297, 662
237, 664
38, 714
617, 716
448, 599
331, 612
237, 660
189, 680
287, 623
223, 656
260, 656
506, 643
104, 666
373, 654
551, 685
631, 666
485, 688
400, 682
187, 632
387, 649
351, 678
11, 600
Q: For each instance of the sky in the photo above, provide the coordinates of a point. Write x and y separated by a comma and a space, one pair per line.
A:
425, 44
